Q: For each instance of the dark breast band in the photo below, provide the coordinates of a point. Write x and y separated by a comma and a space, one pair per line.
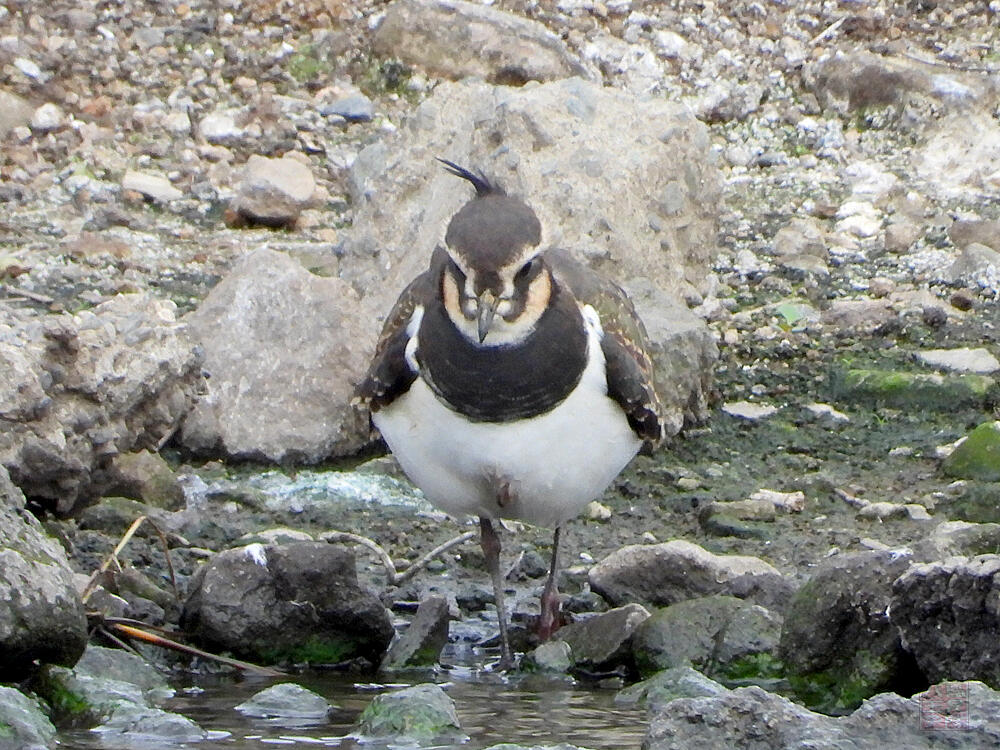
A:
504, 383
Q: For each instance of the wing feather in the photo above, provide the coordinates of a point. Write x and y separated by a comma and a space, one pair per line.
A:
625, 345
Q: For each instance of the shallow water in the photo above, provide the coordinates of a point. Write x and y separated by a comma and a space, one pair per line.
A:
492, 708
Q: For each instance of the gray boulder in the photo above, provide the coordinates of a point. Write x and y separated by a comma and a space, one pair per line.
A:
753, 719
602, 642
657, 575
850, 81
23, 724
455, 39
284, 349
644, 212
15, 112
668, 685
414, 714
41, 616
721, 636
421, 643
286, 700
297, 602
103, 682
83, 388
837, 643
948, 618
274, 191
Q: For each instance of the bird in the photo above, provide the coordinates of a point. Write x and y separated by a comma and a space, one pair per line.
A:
511, 381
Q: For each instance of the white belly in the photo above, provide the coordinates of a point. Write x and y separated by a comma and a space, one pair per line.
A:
553, 464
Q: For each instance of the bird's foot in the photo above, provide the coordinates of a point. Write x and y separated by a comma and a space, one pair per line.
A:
549, 621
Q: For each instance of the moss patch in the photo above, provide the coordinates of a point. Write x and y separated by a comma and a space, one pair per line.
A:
762, 666
306, 64
978, 457
69, 709
840, 691
903, 389
315, 650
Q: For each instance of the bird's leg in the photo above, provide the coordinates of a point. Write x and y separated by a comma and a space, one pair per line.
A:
548, 622
490, 542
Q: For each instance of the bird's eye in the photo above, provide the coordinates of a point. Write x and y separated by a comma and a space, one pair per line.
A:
523, 271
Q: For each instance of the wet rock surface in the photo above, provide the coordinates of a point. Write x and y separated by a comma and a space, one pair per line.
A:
945, 612
295, 602
41, 614
827, 216
675, 571
837, 628
752, 717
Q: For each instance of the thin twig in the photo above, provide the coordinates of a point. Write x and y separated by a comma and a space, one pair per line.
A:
33, 296
346, 536
421, 562
395, 578
828, 30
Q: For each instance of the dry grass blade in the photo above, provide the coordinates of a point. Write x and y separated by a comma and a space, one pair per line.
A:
113, 558
130, 631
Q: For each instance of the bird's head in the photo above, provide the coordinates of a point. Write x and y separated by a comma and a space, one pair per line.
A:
496, 284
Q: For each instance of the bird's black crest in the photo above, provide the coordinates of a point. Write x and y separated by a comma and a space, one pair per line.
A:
482, 185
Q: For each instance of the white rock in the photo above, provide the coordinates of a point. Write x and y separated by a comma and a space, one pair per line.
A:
790, 501
670, 44
825, 412
977, 360
748, 410
28, 67
154, 186
47, 118
177, 122
219, 127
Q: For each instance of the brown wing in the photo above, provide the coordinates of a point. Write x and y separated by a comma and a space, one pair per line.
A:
389, 375
625, 345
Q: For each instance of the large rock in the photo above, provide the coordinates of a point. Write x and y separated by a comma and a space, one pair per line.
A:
948, 616
80, 389
837, 642
721, 636
421, 643
978, 456
752, 719
284, 349
297, 602
603, 642
23, 724
644, 212
851, 81
657, 575
411, 716
273, 191
15, 112
455, 39
41, 615
104, 682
